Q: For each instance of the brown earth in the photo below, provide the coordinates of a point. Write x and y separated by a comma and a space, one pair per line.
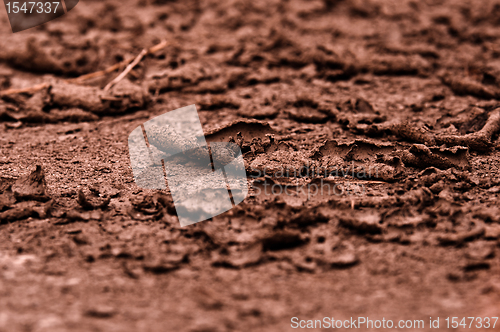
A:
409, 88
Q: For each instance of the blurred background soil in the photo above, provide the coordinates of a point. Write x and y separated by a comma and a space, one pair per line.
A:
409, 88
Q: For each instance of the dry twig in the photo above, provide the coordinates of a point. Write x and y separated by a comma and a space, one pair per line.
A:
131, 66
81, 79
127, 70
31, 89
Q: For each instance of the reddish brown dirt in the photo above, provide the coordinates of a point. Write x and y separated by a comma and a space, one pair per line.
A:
408, 87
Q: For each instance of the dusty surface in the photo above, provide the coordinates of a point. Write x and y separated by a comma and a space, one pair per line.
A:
408, 87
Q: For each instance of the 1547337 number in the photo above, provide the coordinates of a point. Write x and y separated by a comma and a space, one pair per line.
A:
471, 322
32, 7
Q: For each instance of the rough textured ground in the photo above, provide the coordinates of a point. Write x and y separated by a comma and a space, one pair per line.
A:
407, 87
